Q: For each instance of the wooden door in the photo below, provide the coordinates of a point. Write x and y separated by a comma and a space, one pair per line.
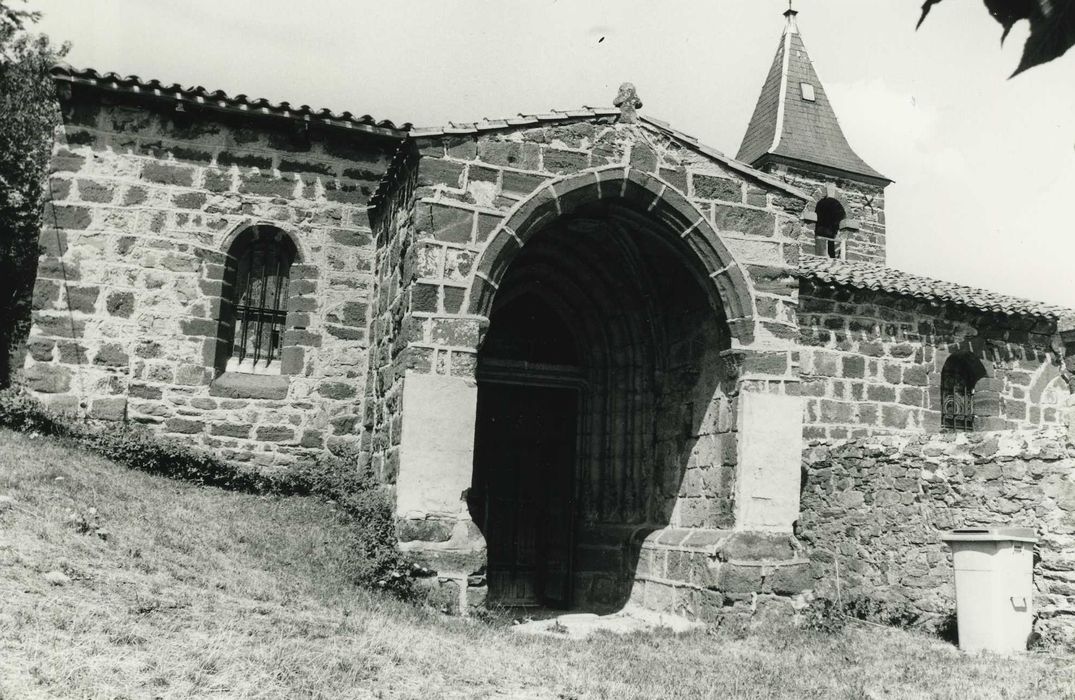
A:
524, 465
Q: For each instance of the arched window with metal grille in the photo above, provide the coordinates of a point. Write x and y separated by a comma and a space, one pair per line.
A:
258, 269
959, 376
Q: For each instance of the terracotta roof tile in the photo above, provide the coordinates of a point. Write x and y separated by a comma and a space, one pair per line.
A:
860, 275
220, 100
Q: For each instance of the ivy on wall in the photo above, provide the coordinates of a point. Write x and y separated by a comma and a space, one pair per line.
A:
28, 115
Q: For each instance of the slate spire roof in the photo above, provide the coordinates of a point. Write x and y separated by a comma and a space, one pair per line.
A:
794, 122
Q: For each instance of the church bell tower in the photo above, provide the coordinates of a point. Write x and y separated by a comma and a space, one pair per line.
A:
794, 134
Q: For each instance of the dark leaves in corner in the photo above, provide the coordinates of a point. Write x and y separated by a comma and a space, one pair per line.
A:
1052, 26
926, 7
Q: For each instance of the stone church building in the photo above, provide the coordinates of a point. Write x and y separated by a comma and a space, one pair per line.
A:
585, 350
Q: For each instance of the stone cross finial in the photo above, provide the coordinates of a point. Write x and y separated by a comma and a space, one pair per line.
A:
628, 102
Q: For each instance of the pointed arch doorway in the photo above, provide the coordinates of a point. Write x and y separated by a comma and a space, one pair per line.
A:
599, 381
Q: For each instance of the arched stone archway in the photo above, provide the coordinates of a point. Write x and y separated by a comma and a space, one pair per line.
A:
654, 203
688, 419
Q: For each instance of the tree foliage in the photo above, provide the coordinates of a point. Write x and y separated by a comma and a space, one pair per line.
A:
1052, 26
28, 115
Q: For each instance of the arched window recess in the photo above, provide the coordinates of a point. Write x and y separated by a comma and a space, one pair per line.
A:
258, 270
959, 392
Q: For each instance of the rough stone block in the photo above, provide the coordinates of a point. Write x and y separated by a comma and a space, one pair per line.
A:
351, 238
453, 299
312, 439
356, 193
40, 349
643, 157
66, 161
165, 174
199, 327
302, 337
144, 391
109, 409
854, 367
461, 147
709, 187
561, 162
790, 580
772, 280
520, 184
244, 160
72, 353
47, 378
120, 304
458, 332
448, 224
94, 191
235, 385
111, 355
336, 390
757, 546
424, 530
192, 375
524, 156
752, 222
267, 185
274, 433
190, 200
235, 430
895, 417
740, 579
292, 360
184, 426
83, 299
424, 297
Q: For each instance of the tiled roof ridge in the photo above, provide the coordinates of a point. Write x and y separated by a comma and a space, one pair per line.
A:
875, 277
487, 124
218, 99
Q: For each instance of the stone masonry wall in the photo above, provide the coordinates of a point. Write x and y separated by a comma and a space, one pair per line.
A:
871, 363
876, 507
126, 308
390, 330
863, 228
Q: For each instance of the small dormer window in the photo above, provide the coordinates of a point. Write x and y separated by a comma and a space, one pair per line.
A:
807, 92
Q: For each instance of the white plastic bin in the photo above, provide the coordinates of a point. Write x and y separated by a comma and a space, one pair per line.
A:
994, 586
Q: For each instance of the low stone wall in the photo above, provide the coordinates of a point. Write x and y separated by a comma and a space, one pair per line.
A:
875, 509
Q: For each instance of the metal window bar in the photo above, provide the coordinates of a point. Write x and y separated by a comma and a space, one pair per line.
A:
262, 281
957, 399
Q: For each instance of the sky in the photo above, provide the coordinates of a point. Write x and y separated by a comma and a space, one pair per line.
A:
984, 166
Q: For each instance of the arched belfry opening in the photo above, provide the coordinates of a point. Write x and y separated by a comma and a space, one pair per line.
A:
605, 406
830, 216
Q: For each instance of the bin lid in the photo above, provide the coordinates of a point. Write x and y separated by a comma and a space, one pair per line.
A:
991, 533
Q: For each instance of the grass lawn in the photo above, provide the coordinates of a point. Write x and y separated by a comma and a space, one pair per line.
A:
198, 592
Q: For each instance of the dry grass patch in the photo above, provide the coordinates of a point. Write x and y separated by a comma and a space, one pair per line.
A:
198, 592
